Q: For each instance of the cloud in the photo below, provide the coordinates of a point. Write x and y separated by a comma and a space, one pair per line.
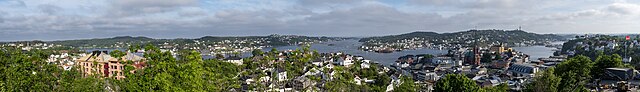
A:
72, 19
49, 9
137, 7
480, 4
316, 3
624, 8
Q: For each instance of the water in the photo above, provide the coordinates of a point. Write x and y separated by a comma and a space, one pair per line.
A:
536, 52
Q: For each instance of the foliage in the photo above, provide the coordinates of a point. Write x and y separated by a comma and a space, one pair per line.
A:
134, 48
117, 54
408, 85
500, 88
27, 71
456, 83
190, 73
606, 61
575, 73
257, 52
546, 81
486, 58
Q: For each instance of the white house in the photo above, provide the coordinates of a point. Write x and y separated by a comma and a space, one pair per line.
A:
357, 80
346, 61
282, 76
364, 65
234, 59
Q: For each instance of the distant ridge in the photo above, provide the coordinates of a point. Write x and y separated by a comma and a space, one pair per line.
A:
276, 40
506, 36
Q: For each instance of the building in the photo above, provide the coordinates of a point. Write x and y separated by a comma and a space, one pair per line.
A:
619, 74
282, 74
442, 60
346, 60
234, 59
473, 57
428, 76
522, 70
100, 63
303, 83
499, 48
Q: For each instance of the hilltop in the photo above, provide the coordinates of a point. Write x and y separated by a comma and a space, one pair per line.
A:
457, 39
510, 36
120, 41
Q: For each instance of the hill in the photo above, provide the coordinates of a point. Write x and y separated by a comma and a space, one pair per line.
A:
512, 36
457, 39
120, 41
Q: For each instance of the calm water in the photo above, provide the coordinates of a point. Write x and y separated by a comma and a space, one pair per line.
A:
536, 52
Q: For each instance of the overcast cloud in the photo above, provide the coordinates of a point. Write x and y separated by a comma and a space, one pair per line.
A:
81, 19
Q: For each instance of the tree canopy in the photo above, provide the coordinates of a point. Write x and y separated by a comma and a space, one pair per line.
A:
545, 81
575, 73
456, 83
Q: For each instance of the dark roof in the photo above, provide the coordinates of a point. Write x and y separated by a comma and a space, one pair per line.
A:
521, 68
233, 58
622, 74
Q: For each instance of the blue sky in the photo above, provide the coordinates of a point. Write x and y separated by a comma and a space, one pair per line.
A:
81, 19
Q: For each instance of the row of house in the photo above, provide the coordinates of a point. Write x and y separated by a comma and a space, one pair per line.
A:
100, 63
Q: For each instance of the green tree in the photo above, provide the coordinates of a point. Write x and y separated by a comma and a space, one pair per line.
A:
456, 83
117, 54
428, 56
273, 51
546, 81
257, 52
575, 73
500, 88
486, 58
498, 56
151, 48
408, 85
219, 56
606, 61
27, 71
134, 48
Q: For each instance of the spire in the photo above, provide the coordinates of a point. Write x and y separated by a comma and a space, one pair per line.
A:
520, 28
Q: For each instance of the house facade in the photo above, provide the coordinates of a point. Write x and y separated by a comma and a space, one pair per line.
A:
100, 63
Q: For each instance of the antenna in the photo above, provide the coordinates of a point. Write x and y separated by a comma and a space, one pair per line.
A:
520, 28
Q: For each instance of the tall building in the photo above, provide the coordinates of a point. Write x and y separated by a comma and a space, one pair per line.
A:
473, 57
100, 63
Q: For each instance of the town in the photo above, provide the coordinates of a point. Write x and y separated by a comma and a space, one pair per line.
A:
416, 40
489, 67
319, 46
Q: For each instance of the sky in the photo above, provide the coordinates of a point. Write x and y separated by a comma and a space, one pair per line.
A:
81, 19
